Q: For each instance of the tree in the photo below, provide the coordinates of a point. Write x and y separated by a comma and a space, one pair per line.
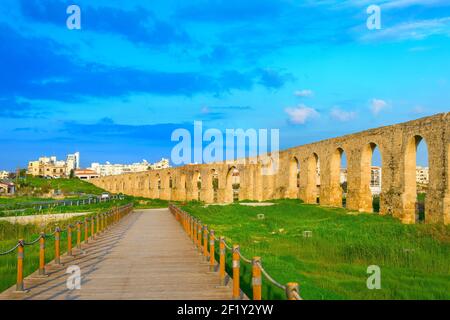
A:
72, 174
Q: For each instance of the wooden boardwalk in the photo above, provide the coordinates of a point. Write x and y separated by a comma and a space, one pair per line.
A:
145, 256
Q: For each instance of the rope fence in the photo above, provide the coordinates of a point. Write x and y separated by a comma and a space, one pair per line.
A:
40, 205
196, 231
103, 222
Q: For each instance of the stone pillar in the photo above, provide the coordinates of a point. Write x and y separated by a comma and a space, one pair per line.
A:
207, 192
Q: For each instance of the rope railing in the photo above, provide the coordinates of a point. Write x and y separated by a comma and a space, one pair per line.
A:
40, 205
196, 231
104, 221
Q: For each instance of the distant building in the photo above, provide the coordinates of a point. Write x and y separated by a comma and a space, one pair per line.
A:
109, 169
4, 175
51, 167
343, 175
72, 162
7, 188
422, 175
85, 174
375, 180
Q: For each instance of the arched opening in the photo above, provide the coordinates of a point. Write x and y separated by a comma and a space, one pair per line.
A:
338, 176
233, 185
199, 186
371, 177
196, 186
312, 192
317, 177
416, 178
215, 184
294, 176
158, 185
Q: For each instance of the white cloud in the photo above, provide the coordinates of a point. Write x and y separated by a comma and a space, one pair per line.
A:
303, 93
342, 115
409, 3
300, 114
416, 30
377, 105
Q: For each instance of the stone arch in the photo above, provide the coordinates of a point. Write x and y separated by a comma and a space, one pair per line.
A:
313, 179
158, 186
369, 178
294, 178
182, 186
409, 197
230, 194
446, 203
196, 185
214, 185
338, 175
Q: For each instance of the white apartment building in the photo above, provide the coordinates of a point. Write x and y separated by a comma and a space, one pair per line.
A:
422, 175
4, 175
375, 180
109, 169
72, 162
52, 167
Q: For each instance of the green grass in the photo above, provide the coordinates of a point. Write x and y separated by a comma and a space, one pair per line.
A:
332, 264
95, 207
146, 203
9, 235
32, 184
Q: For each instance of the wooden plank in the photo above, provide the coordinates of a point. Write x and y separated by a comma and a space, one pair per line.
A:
147, 255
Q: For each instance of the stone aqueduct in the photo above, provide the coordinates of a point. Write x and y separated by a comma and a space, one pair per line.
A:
397, 145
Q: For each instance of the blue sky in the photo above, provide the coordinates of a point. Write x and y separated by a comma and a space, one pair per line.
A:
116, 89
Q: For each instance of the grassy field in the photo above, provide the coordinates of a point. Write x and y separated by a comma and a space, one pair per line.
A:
35, 186
332, 264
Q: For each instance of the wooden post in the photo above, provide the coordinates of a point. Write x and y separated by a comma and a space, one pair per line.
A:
256, 278
211, 250
92, 228
86, 230
20, 256
57, 247
222, 261
78, 234
42, 254
290, 288
97, 217
69, 240
205, 241
199, 236
236, 267
195, 232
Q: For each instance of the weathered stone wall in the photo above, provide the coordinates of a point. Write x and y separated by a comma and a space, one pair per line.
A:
397, 145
